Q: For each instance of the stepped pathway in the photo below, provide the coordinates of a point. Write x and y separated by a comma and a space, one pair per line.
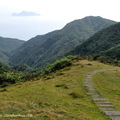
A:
103, 103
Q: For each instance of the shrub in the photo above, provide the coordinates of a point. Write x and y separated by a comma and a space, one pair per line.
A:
11, 76
3, 68
22, 68
58, 64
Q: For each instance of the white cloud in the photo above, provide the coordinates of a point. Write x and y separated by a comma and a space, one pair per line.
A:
54, 14
66, 9
25, 13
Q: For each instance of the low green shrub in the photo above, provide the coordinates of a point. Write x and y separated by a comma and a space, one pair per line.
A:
58, 64
18, 73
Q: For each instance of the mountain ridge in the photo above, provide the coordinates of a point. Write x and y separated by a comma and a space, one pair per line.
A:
60, 42
104, 42
7, 45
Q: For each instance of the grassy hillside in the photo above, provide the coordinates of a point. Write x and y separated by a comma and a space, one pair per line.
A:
104, 41
59, 95
111, 82
55, 44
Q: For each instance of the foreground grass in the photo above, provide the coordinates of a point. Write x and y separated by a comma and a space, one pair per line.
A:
108, 84
60, 95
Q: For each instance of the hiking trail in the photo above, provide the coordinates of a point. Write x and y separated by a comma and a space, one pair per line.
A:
103, 103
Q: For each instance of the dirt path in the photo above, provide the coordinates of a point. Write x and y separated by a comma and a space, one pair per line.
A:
103, 103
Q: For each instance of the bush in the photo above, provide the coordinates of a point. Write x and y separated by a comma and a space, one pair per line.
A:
58, 64
11, 76
3, 68
22, 68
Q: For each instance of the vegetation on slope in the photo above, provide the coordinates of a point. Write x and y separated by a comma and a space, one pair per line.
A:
55, 44
60, 95
110, 56
9, 76
7, 45
24, 73
4, 57
58, 64
103, 46
113, 52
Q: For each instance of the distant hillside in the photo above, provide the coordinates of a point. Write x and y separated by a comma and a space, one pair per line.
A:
4, 57
7, 45
106, 42
29, 51
42, 50
113, 52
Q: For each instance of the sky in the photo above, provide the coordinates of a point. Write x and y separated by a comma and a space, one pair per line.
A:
24, 19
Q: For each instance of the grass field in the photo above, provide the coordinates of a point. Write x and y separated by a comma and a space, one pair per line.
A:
59, 96
108, 84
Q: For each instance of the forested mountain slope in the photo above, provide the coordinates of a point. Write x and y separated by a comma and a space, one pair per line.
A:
42, 50
7, 45
105, 42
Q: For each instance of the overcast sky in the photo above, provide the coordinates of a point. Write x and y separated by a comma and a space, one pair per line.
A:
25, 19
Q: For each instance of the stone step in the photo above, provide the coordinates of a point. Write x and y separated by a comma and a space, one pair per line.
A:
114, 117
112, 112
100, 99
107, 108
104, 105
104, 102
